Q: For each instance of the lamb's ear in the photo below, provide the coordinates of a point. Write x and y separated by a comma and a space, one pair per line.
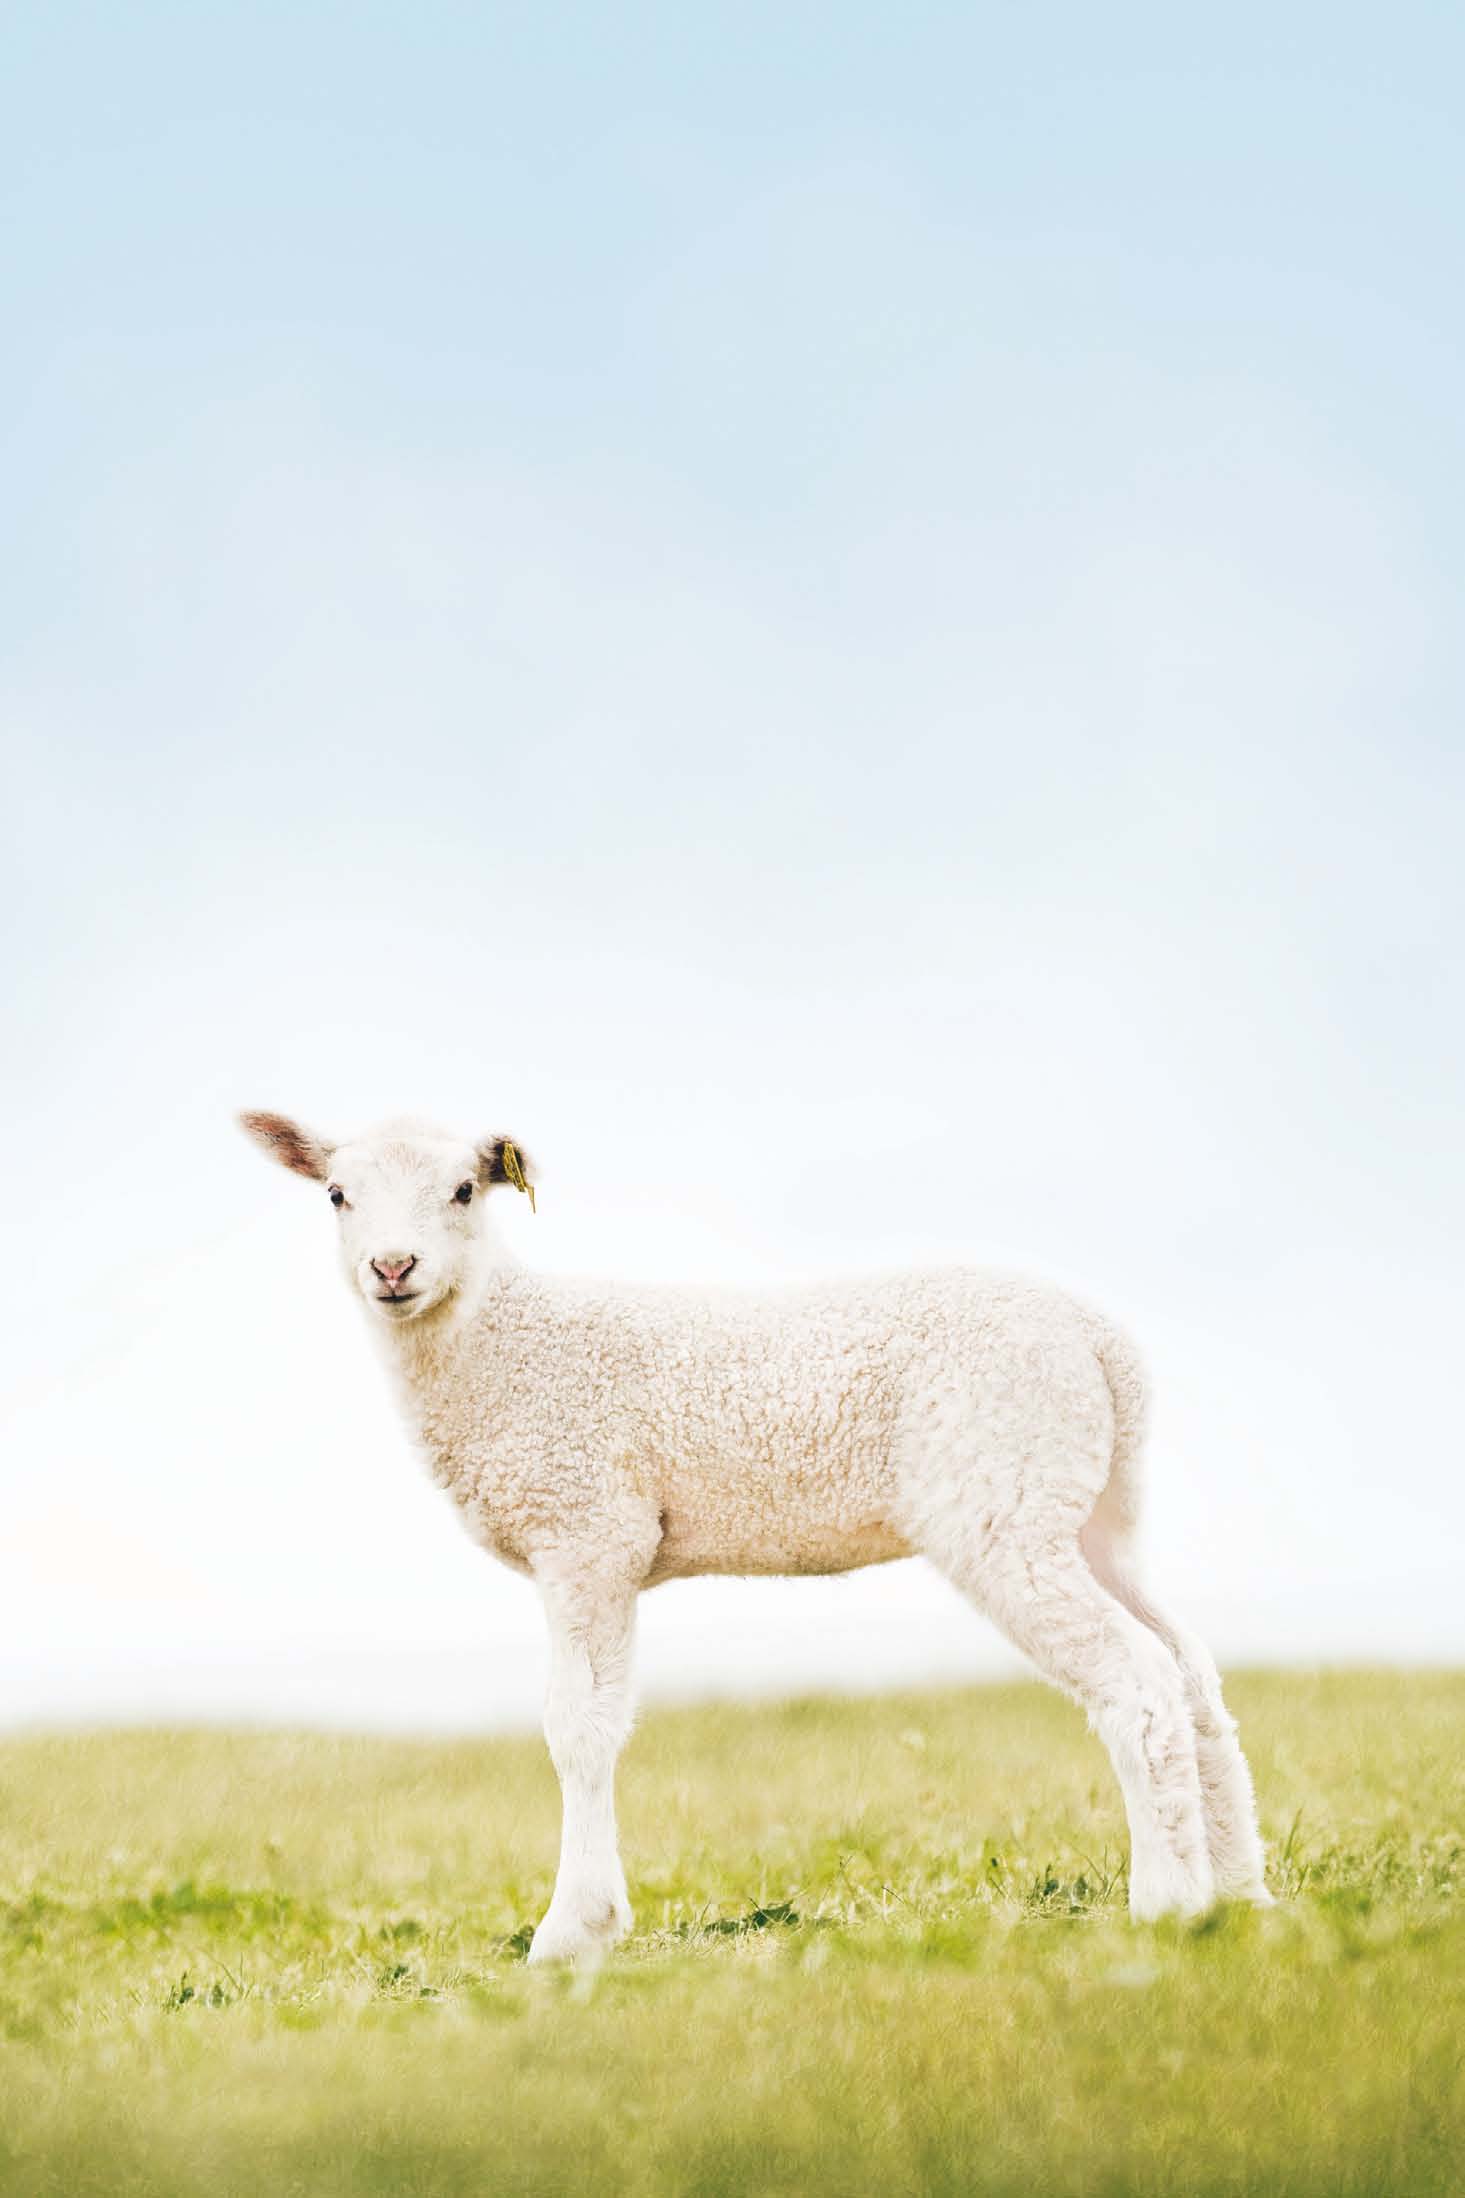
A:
295, 1148
504, 1160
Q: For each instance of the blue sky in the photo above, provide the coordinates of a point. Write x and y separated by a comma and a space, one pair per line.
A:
848, 620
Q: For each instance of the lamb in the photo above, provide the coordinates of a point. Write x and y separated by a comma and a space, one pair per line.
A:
602, 1438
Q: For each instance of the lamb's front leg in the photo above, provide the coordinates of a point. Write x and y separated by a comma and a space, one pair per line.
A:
587, 1715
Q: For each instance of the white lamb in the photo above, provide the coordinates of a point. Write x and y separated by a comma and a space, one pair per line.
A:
602, 1438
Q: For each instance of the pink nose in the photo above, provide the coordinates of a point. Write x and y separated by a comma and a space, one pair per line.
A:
393, 1265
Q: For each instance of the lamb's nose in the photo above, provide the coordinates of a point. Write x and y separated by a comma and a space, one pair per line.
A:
393, 1265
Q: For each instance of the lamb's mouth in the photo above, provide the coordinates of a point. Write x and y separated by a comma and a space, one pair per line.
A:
399, 1297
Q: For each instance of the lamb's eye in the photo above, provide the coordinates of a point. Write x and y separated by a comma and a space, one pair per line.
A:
463, 1193
337, 1196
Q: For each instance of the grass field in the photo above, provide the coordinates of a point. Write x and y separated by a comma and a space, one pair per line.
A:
880, 1947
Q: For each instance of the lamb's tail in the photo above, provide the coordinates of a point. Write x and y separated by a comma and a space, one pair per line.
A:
1116, 1514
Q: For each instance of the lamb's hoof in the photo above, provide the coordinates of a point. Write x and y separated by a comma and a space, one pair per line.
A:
1244, 1884
581, 1935
1179, 1893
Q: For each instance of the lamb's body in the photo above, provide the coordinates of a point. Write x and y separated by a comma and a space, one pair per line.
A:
743, 1432
604, 1437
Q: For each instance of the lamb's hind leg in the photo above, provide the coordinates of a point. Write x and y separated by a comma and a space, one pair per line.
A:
1036, 1587
1237, 1855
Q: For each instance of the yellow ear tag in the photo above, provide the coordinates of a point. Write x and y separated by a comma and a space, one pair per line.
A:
514, 1170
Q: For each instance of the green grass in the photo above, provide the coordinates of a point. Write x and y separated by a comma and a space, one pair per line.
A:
880, 1947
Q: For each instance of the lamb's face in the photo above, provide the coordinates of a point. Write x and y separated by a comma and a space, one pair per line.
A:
409, 1212
409, 1207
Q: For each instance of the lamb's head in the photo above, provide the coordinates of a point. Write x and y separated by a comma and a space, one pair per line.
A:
411, 1208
